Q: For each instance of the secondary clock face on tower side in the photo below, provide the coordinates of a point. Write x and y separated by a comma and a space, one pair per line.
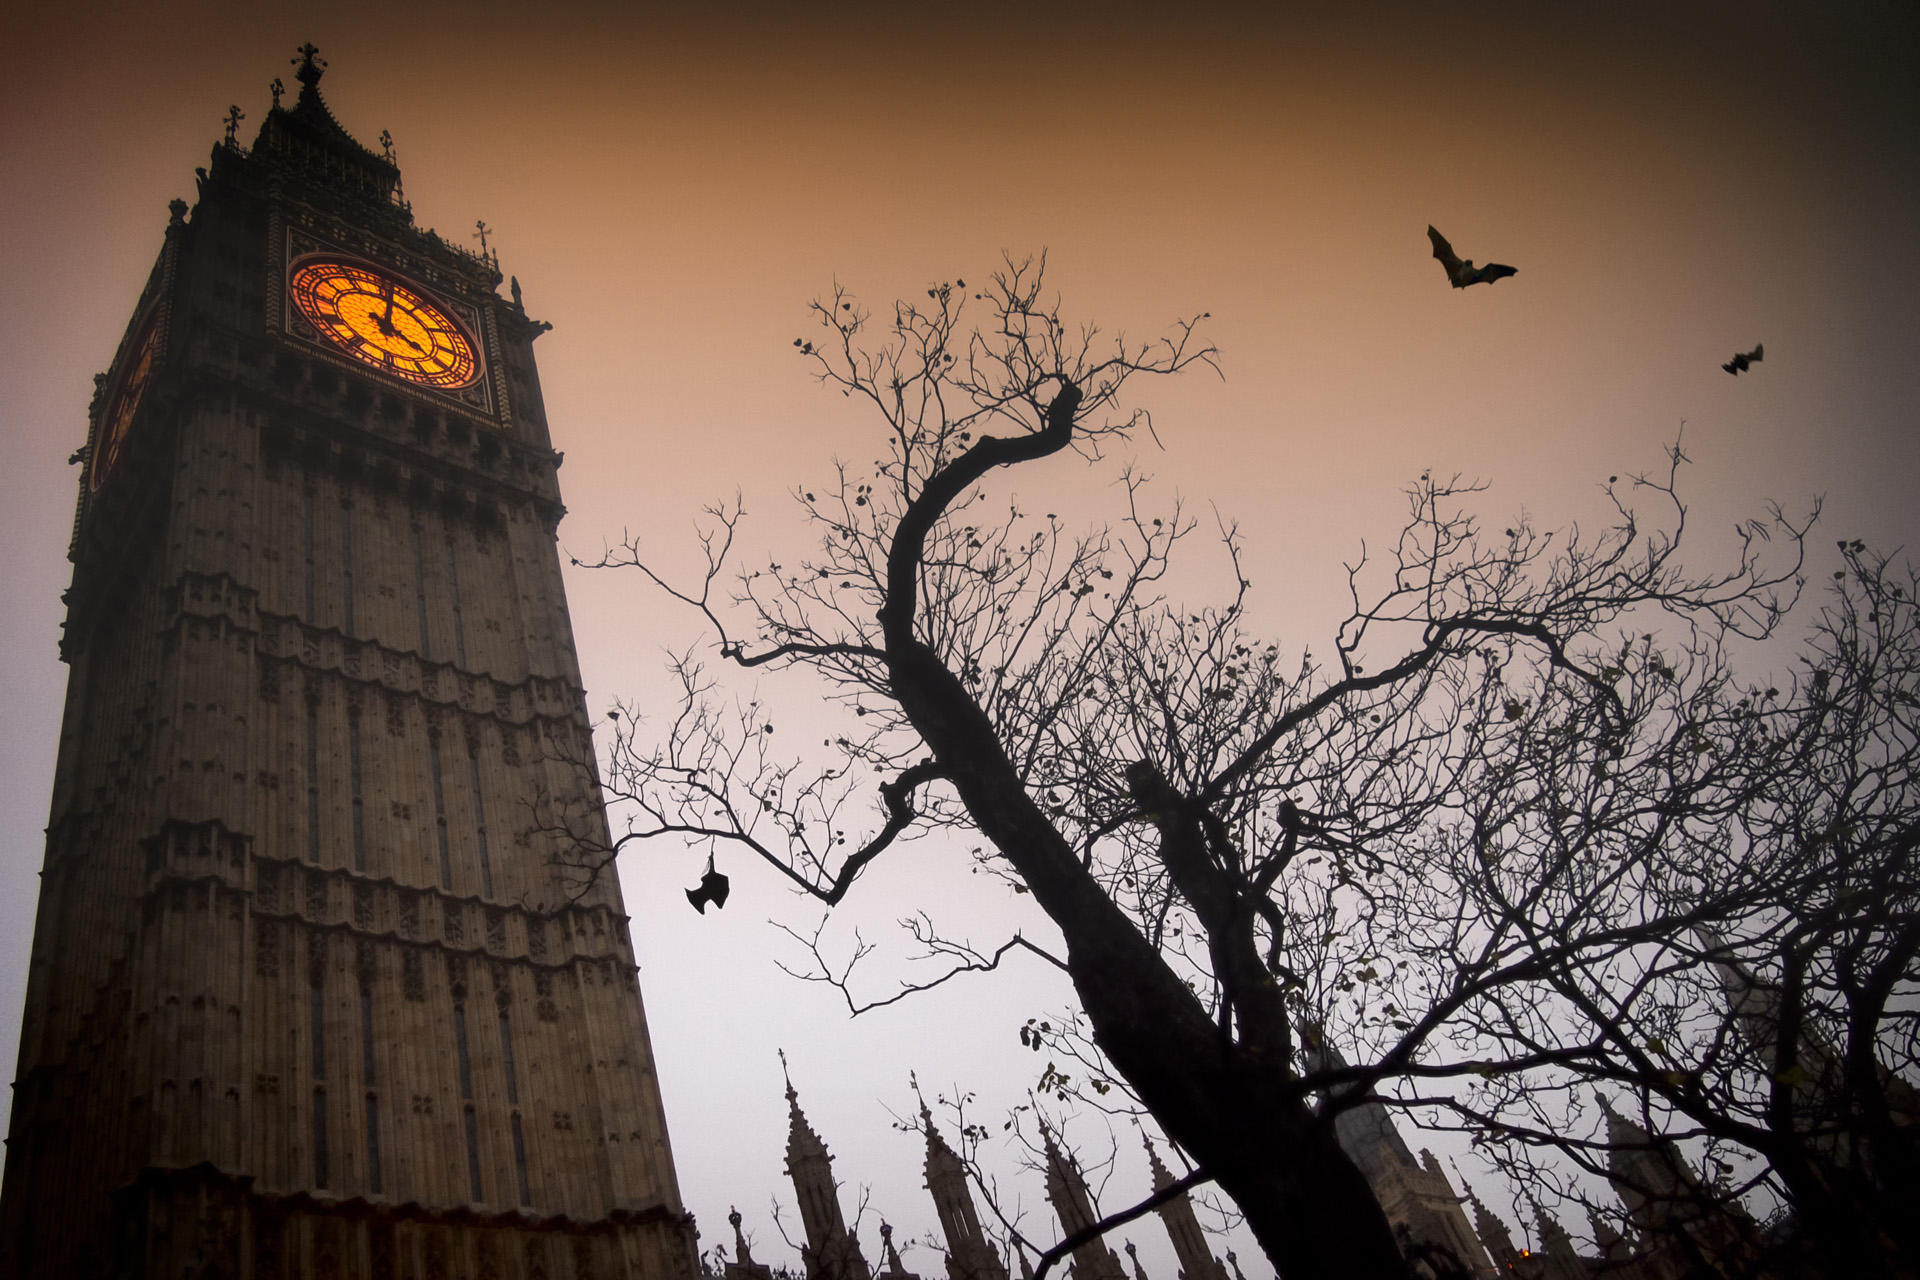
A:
125, 404
381, 321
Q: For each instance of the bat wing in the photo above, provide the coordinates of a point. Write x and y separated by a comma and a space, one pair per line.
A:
1494, 271
1754, 355
1444, 252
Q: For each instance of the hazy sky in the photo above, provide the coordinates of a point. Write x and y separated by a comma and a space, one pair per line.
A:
671, 191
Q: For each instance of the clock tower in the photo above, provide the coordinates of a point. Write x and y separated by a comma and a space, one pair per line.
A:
312, 993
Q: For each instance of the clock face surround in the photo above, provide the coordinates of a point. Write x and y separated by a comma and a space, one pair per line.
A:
121, 408
381, 320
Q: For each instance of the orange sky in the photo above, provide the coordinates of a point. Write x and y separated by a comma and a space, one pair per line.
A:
671, 191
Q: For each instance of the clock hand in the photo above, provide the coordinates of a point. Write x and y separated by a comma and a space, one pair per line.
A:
386, 321
411, 344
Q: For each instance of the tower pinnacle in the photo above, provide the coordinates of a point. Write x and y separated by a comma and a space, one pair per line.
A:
311, 66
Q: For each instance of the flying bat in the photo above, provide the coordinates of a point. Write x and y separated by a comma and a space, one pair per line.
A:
1461, 274
1742, 359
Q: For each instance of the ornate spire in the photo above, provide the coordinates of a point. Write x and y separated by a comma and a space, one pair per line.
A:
1493, 1233
891, 1256
1562, 1259
969, 1255
1613, 1245
1162, 1176
311, 67
831, 1252
741, 1253
1073, 1203
1183, 1228
306, 139
743, 1267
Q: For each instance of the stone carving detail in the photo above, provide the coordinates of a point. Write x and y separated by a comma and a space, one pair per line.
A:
413, 975
316, 958
544, 1007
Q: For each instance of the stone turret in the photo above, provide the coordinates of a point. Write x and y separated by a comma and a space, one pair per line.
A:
1557, 1259
970, 1256
1494, 1235
1189, 1242
1614, 1249
892, 1269
743, 1267
831, 1252
1681, 1220
1416, 1195
1067, 1190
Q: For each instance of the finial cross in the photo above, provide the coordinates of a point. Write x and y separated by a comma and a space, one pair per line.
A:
277, 89
309, 63
234, 117
480, 230
386, 144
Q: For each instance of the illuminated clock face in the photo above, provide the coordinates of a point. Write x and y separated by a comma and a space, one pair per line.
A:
381, 322
124, 405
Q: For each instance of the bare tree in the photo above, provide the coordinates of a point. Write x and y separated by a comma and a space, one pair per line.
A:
1729, 922
1411, 848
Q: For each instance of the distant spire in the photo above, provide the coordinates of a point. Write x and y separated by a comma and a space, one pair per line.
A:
1613, 1245
1073, 1204
1494, 1237
741, 1254
1183, 1228
1133, 1255
831, 1252
1162, 1176
969, 1254
891, 1256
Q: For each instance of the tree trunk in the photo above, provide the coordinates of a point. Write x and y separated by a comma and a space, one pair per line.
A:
1233, 1108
